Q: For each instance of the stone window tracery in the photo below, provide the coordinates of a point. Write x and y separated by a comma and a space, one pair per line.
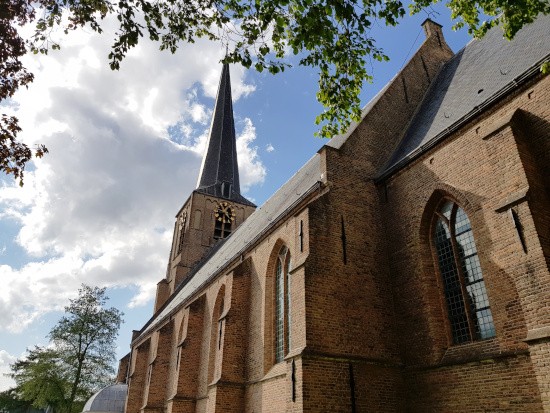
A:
466, 297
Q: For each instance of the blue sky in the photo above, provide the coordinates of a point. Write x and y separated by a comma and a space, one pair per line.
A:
125, 149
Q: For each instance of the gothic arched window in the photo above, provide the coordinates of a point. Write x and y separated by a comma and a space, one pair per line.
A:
282, 305
465, 294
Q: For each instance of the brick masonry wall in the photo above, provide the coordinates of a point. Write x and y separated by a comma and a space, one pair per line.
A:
123, 366
484, 386
138, 375
338, 385
487, 168
349, 304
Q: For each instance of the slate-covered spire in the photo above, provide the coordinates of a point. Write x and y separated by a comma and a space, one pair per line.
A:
219, 174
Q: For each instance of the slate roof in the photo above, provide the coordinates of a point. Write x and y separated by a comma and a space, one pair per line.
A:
224, 252
109, 399
220, 164
479, 74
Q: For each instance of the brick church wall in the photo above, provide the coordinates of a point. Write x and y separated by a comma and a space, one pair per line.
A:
481, 168
349, 304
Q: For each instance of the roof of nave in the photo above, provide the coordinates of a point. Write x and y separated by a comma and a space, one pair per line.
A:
246, 234
482, 72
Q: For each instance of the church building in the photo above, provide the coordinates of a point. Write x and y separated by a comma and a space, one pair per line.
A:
403, 268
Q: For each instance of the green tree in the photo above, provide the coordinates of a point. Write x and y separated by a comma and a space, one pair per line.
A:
11, 402
80, 357
330, 35
41, 379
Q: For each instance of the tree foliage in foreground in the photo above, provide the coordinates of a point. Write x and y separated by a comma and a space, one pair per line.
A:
14, 154
330, 35
78, 361
11, 402
41, 379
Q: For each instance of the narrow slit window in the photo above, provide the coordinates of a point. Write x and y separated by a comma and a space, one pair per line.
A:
279, 313
178, 357
343, 237
220, 332
149, 374
519, 229
301, 235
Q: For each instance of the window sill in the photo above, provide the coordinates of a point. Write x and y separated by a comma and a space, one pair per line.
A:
478, 351
280, 368
294, 352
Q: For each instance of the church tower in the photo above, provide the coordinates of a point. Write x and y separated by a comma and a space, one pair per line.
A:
216, 207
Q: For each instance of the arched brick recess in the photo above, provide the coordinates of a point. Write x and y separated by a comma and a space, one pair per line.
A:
187, 353
216, 336
136, 383
158, 389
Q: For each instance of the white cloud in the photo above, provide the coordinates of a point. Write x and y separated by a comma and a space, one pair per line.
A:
5, 360
252, 171
269, 148
99, 207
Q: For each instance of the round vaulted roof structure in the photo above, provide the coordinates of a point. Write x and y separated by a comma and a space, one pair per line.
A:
110, 399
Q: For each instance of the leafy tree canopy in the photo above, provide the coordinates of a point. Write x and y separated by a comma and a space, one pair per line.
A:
331, 35
11, 402
41, 379
79, 359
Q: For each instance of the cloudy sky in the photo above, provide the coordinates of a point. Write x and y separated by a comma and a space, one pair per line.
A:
125, 150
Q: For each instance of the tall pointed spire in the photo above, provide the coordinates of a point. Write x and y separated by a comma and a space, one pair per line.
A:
219, 174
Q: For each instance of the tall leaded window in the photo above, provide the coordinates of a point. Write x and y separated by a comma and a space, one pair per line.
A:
282, 305
465, 294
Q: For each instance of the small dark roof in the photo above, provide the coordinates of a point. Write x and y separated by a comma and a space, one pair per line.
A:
219, 175
110, 399
476, 76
